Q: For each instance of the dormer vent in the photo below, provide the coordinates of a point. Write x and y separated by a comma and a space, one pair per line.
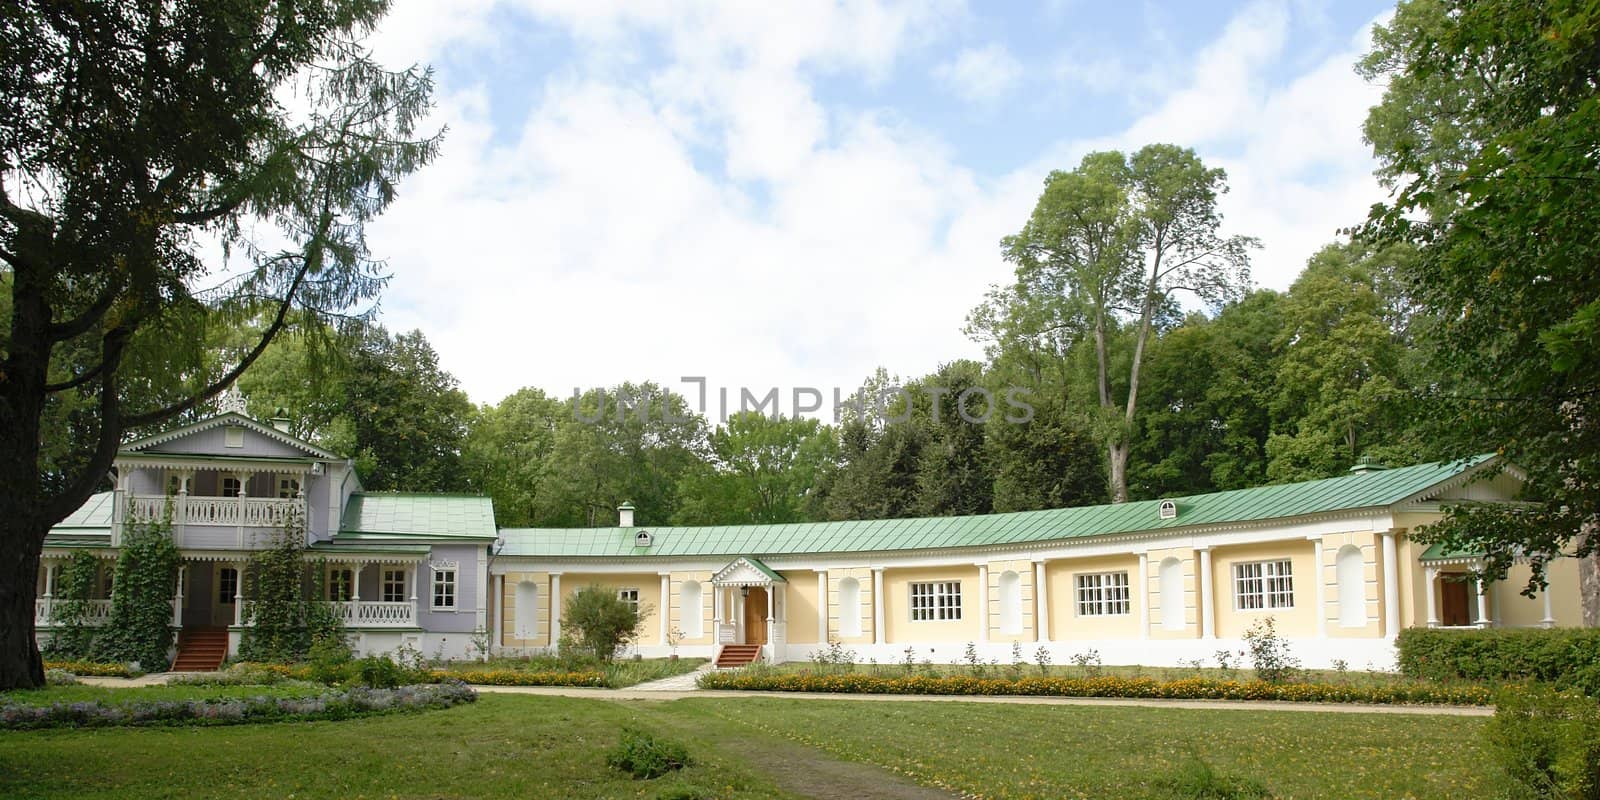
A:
642, 539
1168, 510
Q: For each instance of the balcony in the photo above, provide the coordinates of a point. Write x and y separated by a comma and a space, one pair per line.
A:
218, 522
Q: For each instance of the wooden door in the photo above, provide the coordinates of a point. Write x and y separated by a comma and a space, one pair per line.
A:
755, 616
1453, 603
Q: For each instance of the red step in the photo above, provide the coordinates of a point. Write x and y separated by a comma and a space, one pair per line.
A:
738, 655
201, 650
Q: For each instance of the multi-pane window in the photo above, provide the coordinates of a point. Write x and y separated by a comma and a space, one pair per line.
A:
231, 487
227, 585
444, 588
394, 585
341, 584
1103, 593
1263, 584
936, 601
631, 597
288, 488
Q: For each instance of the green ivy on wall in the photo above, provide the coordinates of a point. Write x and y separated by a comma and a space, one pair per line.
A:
283, 623
140, 629
73, 638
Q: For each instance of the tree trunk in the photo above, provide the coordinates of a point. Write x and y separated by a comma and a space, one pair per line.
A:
1589, 582
20, 664
1117, 453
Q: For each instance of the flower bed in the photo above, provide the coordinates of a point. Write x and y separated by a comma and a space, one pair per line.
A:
514, 677
1184, 689
233, 711
93, 668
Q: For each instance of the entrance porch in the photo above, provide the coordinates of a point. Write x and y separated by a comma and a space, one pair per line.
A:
749, 613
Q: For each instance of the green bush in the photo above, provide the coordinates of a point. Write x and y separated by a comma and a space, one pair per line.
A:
329, 661
1269, 652
1197, 780
1568, 657
599, 622
1547, 742
644, 756
378, 672
140, 629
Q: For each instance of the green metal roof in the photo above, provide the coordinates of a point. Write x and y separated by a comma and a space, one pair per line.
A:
1373, 489
1438, 552
380, 516
336, 548
94, 513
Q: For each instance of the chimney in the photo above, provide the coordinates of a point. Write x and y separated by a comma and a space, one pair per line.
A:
625, 515
280, 420
1365, 464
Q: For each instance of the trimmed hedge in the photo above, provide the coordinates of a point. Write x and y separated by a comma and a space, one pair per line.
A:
1143, 688
1568, 657
96, 669
233, 711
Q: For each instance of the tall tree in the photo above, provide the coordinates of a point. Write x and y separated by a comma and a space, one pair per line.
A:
509, 452
1489, 135
762, 468
130, 134
1116, 239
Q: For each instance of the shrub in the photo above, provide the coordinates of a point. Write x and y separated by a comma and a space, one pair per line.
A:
378, 672
1269, 652
644, 756
600, 622
60, 677
520, 677
329, 661
1547, 742
98, 669
1197, 780
1568, 657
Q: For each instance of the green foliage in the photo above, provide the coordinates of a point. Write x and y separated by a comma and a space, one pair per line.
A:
599, 623
140, 628
1565, 657
508, 454
1546, 742
1195, 779
283, 623
76, 583
1487, 132
645, 756
1269, 652
761, 469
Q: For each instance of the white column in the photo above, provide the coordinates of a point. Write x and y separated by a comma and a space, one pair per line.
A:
1549, 620
177, 596
772, 607
1041, 603
1429, 576
983, 603
1391, 585
878, 636
50, 590
1319, 585
666, 604
1206, 612
822, 606
238, 593
555, 609
1483, 599
716, 614
1143, 597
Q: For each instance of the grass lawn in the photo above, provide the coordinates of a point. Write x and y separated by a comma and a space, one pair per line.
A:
619, 674
538, 746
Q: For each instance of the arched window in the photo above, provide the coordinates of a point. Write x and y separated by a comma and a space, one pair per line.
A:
1352, 587
849, 607
1010, 602
1172, 594
527, 610
691, 614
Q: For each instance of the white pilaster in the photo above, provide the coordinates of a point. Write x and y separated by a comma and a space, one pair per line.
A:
555, 609
822, 606
1142, 598
1483, 599
983, 603
1041, 603
666, 604
1430, 575
1391, 585
1206, 611
877, 607
1319, 585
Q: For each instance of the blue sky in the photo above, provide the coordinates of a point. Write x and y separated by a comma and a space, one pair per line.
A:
791, 195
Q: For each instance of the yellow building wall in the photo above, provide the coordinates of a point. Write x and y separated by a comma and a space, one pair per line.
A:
1300, 621
1371, 549
681, 618
1190, 565
1024, 570
863, 606
801, 595
1064, 620
897, 621
648, 584
506, 608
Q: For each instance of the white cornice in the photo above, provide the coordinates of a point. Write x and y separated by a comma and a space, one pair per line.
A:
230, 418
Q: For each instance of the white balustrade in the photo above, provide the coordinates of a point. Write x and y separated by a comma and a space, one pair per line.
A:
250, 512
364, 613
96, 612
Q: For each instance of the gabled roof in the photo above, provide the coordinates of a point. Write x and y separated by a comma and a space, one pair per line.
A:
1370, 490
379, 516
228, 418
746, 571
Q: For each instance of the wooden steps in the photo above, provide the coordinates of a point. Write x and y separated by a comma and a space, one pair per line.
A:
738, 655
201, 650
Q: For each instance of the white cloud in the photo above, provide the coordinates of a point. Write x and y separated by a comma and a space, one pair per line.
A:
981, 75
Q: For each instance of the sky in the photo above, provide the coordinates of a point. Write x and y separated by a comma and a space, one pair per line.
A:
783, 195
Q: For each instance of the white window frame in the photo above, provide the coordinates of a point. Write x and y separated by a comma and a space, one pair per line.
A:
1104, 594
630, 595
288, 488
238, 487
444, 594
392, 586
227, 587
935, 601
1263, 585
341, 584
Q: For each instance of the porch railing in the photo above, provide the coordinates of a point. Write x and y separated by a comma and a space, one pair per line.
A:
98, 611
364, 613
260, 512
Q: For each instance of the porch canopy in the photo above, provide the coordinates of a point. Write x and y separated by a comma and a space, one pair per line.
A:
746, 571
